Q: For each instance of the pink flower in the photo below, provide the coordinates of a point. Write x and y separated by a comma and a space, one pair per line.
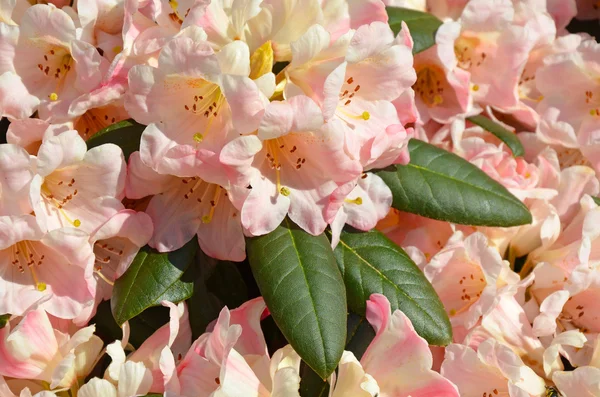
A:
493, 370
115, 244
56, 266
75, 187
29, 133
469, 276
442, 88
346, 78
232, 359
398, 361
53, 65
34, 350
184, 207
580, 382
298, 162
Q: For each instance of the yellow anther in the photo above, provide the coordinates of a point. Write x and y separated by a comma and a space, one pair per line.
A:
285, 191
593, 112
116, 49
206, 219
437, 100
198, 137
174, 3
40, 286
76, 223
53, 97
366, 115
476, 87
452, 312
357, 201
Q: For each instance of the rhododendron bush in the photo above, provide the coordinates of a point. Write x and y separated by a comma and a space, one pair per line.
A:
252, 198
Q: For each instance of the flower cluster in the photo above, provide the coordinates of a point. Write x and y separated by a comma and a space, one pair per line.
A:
258, 110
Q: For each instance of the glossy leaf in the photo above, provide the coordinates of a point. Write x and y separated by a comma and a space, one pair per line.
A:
126, 134
440, 185
304, 291
152, 278
422, 26
506, 136
371, 263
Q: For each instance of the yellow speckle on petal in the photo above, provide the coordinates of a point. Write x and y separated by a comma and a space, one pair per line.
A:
40, 286
116, 49
366, 115
285, 191
198, 137
53, 97
357, 201
475, 87
76, 223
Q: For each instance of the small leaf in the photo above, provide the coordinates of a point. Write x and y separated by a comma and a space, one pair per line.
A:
371, 263
152, 278
304, 291
441, 185
506, 136
422, 26
125, 134
4, 320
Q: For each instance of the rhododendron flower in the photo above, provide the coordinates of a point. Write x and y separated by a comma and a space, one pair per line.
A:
493, 370
184, 207
469, 276
30, 133
74, 187
232, 359
346, 78
56, 266
579, 382
298, 162
196, 92
115, 244
398, 361
34, 350
442, 88
53, 65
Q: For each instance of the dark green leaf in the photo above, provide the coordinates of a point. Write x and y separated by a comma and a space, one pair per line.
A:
126, 134
596, 200
4, 320
219, 284
152, 278
359, 336
299, 280
440, 185
506, 136
370, 263
422, 26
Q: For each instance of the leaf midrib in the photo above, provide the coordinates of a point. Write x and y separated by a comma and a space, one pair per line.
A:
310, 294
126, 298
383, 276
438, 174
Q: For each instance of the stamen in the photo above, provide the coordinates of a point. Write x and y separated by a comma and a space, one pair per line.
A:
213, 205
357, 201
53, 96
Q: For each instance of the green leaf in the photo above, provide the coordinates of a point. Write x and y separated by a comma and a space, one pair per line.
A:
304, 291
440, 185
371, 263
219, 284
422, 26
359, 336
4, 320
125, 134
506, 136
596, 200
152, 278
